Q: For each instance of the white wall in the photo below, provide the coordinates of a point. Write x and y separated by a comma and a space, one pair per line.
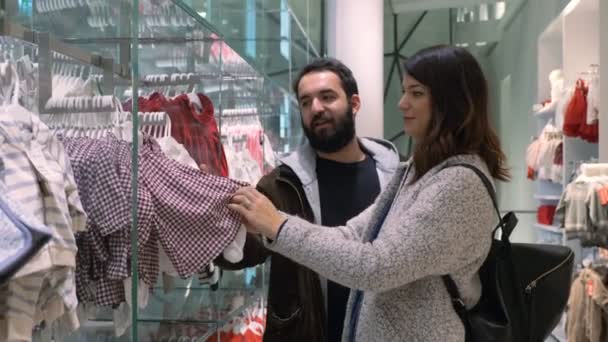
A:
512, 71
515, 56
354, 36
433, 30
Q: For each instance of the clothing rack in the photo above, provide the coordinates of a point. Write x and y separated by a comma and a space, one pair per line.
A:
47, 43
235, 113
19, 32
80, 104
235, 140
594, 169
593, 70
239, 111
576, 167
261, 116
181, 79
152, 118
595, 259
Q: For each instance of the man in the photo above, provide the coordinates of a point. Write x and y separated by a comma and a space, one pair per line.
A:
329, 180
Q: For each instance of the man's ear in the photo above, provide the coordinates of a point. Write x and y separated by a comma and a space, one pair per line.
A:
355, 102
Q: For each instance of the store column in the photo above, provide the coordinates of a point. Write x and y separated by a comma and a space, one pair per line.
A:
355, 35
603, 143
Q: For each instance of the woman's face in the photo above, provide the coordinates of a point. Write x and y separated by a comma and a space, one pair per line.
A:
415, 104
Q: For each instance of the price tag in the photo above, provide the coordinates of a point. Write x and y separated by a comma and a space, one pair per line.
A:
590, 288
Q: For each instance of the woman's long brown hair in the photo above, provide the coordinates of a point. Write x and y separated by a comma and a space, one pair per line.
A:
460, 121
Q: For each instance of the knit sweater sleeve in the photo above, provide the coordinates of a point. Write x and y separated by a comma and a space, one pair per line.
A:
447, 228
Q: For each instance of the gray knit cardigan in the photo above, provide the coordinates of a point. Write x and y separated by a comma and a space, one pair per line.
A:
438, 225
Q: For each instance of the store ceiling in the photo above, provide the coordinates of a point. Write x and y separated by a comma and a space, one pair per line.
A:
475, 24
400, 6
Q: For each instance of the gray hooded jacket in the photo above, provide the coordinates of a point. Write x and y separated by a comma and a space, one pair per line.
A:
304, 163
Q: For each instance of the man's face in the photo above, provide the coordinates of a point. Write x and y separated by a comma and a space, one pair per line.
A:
327, 115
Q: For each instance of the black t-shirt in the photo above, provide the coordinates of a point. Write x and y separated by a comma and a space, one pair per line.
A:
345, 190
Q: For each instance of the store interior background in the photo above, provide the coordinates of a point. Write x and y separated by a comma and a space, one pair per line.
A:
278, 37
507, 48
510, 64
506, 45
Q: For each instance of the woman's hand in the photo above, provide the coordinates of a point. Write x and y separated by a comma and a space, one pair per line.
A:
259, 214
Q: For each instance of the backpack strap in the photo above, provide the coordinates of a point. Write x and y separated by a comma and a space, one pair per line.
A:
450, 285
486, 182
506, 223
457, 302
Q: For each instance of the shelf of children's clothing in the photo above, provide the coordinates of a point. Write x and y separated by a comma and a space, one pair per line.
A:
274, 24
549, 234
545, 113
548, 190
172, 40
548, 198
29, 35
190, 304
549, 228
567, 54
148, 331
575, 151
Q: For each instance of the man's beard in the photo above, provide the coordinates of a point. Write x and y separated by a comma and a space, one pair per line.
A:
330, 142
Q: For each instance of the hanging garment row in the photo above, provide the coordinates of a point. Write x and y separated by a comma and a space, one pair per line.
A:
37, 174
576, 108
248, 150
544, 156
79, 186
191, 232
581, 211
587, 316
192, 126
582, 112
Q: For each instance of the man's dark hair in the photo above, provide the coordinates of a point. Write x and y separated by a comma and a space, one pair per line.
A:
349, 84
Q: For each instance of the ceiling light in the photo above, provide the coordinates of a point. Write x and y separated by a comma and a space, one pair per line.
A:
500, 9
571, 6
483, 12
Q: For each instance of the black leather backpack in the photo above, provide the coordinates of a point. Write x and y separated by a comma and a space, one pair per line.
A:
525, 287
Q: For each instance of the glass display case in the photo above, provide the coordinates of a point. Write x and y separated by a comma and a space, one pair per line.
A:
267, 32
142, 72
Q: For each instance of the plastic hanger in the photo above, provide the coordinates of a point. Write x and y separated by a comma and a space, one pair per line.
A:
14, 99
590, 171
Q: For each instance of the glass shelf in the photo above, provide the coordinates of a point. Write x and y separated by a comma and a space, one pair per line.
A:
215, 50
192, 305
266, 33
187, 310
148, 332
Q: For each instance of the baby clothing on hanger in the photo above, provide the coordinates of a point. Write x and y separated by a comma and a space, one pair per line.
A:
188, 218
582, 215
593, 100
587, 317
575, 118
195, 129
544, 155
38, 175
234, 251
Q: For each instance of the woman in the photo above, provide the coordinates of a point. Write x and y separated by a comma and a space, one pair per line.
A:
439, 216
